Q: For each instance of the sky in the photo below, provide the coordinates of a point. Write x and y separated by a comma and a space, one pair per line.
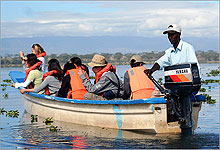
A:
108, 18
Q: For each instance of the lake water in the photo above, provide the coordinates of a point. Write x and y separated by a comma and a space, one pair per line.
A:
21, 133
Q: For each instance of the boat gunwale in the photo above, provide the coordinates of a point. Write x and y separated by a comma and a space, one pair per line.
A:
159, 100
44, 102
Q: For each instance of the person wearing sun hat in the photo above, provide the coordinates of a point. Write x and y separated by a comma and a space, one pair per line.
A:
136, 84
107, 85
180, 52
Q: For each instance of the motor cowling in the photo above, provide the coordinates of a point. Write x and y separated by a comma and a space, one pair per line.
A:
182, 79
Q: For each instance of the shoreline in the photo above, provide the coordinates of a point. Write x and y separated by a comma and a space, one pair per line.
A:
20, 65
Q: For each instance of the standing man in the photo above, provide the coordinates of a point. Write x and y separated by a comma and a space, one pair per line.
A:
179, 52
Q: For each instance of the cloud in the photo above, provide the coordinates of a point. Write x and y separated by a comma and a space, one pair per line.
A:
124, 19
85, 27
109, 29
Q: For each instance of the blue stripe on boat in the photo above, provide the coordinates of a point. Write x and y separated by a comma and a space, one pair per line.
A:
160, 100
18, 76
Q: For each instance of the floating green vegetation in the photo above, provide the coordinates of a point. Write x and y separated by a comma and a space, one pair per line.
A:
2, 111
209, 99
12, 113
91, 77
7, 81
213, 73
48, 121
5, 95
202, 90
4, 85
54, 128
160, 81
4, 88
34, 118
209, 81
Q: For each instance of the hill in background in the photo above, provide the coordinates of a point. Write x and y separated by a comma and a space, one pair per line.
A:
100, 44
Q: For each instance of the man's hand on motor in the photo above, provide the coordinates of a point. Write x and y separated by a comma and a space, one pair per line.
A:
148, 72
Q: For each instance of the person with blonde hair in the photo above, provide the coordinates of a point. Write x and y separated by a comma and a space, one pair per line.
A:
38, 50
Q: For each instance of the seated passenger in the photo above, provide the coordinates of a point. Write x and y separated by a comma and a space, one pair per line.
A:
107, 84
51, 80
37, 50
136, 84
34, 73
71, 82
84, 67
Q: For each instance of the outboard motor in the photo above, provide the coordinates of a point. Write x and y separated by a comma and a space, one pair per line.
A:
183, 78
181, 81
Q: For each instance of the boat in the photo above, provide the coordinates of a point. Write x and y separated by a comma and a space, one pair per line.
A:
145, 115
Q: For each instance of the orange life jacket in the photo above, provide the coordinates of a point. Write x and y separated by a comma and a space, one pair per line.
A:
108, 67
30, 86
77, 88
141, 85
44, 77
32, 68
41, 55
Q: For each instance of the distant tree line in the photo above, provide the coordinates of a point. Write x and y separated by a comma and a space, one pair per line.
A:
116, 59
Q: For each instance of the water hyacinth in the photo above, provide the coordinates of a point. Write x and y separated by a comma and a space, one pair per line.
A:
12, 113
209, 99
48, 121
91, 77
54, 128
160, 81
3, 89
2, 111
213, 73
202, 90
34, 118
7, 81
5, 95
4, 85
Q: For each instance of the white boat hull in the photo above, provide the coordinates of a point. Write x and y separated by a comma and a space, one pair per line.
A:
141, 117
148, 115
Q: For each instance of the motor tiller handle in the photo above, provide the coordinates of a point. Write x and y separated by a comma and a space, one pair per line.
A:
161, 89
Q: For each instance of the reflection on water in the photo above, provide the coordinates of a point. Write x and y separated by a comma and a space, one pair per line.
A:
21, 133
37, 135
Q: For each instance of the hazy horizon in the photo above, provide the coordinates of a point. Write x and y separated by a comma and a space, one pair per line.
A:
106, 26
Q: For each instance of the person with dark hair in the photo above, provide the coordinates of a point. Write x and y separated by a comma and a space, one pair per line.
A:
38, 50
107, 85
71, 82
68, 66
78, 62
34, 73
179, 53
51, 80
136, 84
